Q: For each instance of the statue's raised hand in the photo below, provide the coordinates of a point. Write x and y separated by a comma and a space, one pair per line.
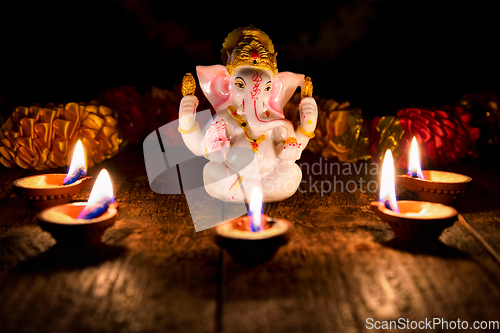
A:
308, 110
187, 112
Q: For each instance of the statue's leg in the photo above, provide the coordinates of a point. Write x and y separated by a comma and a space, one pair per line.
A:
282, 182
222, 183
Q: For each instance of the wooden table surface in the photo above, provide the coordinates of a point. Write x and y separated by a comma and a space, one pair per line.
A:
154, 273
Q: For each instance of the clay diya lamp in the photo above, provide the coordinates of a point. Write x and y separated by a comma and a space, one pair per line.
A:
48, 190
431, 185
253, 240
437, 186
82, 223
416, 221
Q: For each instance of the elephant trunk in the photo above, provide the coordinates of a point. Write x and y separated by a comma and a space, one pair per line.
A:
255, 114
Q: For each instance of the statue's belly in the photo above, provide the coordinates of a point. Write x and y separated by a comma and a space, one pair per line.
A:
241, 154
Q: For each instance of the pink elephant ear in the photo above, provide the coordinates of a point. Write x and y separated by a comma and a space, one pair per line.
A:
214, 82
283, 88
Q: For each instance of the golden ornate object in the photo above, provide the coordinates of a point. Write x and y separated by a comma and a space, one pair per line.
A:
290, 140
188, 85
486, 116
390, 135
307, 88
310, 135
249, 47
340, 131
254, 143
195, 127
42, 138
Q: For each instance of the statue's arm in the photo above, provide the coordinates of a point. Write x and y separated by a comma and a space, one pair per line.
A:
308, 110
192, 135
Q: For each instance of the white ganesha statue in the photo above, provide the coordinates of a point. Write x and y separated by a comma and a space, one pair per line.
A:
249, 142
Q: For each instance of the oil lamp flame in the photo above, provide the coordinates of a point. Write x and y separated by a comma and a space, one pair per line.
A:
255, 210
387, 187
100, 197
414, 169
77, 167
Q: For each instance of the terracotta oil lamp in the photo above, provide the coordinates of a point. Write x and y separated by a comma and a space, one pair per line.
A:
79, 222
253, 239
48, 190
410, 220
433, 186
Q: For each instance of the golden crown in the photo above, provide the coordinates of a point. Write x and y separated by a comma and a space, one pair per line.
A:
249, 47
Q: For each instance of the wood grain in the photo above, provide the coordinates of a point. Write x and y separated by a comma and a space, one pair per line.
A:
154, 273
347, 267
6, 180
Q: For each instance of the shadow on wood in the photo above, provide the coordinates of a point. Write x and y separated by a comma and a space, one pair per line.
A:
435, 248
61, 257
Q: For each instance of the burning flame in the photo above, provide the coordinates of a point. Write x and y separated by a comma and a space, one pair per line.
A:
414, 169
387, 187
256, 210
77, 167
100, 197
103, 189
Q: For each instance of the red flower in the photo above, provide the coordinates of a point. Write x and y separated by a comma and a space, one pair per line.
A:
139, 116
443, 136
161, 106
126, 101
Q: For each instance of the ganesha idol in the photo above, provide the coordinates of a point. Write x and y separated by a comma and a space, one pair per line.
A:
248, 142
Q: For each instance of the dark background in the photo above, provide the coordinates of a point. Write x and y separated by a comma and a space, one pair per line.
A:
380, 56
